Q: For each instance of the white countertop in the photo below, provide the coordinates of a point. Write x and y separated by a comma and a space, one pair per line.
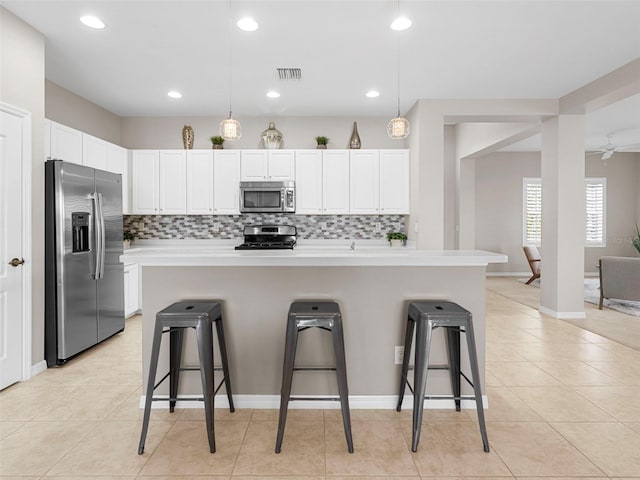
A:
312, 254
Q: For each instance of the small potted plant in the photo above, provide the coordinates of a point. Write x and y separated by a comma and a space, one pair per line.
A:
397, 239
322, 142
216, 142
636, 241
127, 238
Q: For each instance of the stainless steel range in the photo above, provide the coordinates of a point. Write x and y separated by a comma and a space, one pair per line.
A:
268, 237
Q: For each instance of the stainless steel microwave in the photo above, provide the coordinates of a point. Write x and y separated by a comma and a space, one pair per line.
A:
267, 197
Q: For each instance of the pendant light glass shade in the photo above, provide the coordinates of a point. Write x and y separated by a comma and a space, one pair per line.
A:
230, 129
398, 128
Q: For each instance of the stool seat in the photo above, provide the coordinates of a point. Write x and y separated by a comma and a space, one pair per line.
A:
426, 316
326, 316
199, 315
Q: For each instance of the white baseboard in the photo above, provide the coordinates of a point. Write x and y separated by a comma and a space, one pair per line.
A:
356, 402
509, 274
562, 315
38, 368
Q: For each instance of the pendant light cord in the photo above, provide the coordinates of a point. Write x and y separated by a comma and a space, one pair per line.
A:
229, 58
398, 57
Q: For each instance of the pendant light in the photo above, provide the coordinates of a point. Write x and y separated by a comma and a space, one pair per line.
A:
230, 129
398, 127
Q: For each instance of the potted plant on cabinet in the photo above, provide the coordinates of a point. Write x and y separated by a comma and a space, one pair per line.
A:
397, 239
216, 142
322, 142
127, 238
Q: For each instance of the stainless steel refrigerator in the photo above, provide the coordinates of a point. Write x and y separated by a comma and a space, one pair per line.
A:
84, 278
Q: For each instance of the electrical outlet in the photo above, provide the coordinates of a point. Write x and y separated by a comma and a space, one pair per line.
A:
323, 225
378, 226
140, 225
216, 227
399, 355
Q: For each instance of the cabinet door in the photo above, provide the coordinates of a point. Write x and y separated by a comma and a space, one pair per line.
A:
200, 182
131, 290
309, 182
94, 152
254, 165
66, 143
364, 183
281, 165
145, 182
173, 182
226, 182
394, 182
118, 162
335, 182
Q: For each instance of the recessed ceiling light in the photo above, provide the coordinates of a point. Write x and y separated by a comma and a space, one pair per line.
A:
174, 94
247, 24
373, 94
91, 21
273, 94
400, 23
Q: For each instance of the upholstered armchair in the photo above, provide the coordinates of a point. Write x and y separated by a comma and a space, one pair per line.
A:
533, 257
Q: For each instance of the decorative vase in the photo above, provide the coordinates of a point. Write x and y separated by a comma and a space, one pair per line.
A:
216, 146
187, 137
397, 242
126, 244
271, 137
354, 142
321, 147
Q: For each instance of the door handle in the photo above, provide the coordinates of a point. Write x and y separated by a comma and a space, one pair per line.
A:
15, 262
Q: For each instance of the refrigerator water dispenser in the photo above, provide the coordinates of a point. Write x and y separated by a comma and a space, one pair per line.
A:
80, 232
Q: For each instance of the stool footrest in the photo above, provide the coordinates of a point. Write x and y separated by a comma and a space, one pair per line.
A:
175, 399
320, 369
315, 399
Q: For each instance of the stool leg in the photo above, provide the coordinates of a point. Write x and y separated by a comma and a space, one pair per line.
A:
423, 344
473, 360
291, 342
225, 364
341, 371
176, 340
408, 339
204, 334
453, 351
153, 368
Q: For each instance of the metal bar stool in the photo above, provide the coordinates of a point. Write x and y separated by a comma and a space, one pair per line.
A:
326, 316
429, 315
199, 315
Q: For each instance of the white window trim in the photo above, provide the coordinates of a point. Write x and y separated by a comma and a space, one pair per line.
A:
533, 180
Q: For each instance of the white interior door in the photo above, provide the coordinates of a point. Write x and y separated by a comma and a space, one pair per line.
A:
11, 248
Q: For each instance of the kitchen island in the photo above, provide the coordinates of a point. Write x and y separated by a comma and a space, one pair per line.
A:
371, 285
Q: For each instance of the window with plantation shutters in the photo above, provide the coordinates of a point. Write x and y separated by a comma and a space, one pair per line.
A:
532, 211
595, 201
595, 219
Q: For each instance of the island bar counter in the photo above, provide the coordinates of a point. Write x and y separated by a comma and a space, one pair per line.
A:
372, 287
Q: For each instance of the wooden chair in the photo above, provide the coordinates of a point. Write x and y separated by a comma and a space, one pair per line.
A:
533, 257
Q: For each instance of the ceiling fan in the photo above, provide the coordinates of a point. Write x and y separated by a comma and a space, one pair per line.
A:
610, 148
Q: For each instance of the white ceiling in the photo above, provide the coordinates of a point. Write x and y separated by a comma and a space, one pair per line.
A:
455, 49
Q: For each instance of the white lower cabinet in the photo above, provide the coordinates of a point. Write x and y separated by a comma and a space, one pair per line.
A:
131, 290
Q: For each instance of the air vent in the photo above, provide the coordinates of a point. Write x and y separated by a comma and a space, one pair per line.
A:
289, 73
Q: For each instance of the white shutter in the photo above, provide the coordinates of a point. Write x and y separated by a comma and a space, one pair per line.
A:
531, 211
595, 212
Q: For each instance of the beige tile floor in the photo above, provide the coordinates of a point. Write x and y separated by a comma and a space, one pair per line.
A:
564, 402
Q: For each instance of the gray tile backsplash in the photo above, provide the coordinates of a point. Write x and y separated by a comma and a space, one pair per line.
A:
203, 227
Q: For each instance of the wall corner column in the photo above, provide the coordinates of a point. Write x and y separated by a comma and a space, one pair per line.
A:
563, 217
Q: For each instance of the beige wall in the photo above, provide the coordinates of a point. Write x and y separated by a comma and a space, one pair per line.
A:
74, 111
499, 205
298, 132
22, 85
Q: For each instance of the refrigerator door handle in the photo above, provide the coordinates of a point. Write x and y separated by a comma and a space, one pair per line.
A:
101, 237
97, 235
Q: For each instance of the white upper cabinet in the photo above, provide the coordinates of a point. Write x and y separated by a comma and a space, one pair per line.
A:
118, 162
364, 171
335, 182
200, 182
66, 143
145, 182
309, 182
270, 165
94, 152
394, 182
226, 182
173, 182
